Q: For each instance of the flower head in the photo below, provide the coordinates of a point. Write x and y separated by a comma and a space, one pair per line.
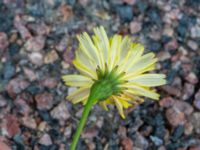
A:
118, 66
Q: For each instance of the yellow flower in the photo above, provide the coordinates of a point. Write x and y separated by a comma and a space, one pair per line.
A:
120, 63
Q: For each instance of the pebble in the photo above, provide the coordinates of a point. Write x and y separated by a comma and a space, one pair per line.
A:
196, 147
188, 128
89, 133
12, 125
192, 44
192, 78
130, 2
19, 25
45, 140
3, 41
4, 146
125, 12
22, 106
196, 101
36, 58
44, 101
135, 27
172, 90
9, 70
66, 12
157, 141
127, 144
195, 31
175, 117
49, 82
3, 101
122, 132
50, 57
68, 131
188, 91
194, 118
35, 44
61, 112
29, 122
30, 74
15, 86
166, 102
184, 107
140, 141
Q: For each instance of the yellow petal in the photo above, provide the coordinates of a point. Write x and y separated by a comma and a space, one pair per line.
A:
141, 91
115, 47
119, 107
88, 47
77, 80
133, 56
84, 70
149, 80
102, 42
144, 62
79, 95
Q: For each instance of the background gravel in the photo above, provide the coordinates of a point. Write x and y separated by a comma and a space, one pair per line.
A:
37, 44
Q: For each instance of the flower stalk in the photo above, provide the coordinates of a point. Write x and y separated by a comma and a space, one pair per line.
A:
100, 90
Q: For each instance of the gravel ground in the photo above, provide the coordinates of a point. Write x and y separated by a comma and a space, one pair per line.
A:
37, 44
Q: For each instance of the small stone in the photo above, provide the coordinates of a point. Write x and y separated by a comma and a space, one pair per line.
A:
3, 101
140, 141
162, 148
157, 141
66, 12
195, 32
68, 131
130, 2
89, 133
194, 119
45, 140
188, 91
172, 45
30, 74
168, 31
163, 55
192, 44
35, 44
188, 128
127, 144
22, 107
24, 32
12, 125
166, 102
4, 146
29, 122
172, 90
42, 126
175, 117
3, 41
51, 57
122, 132
50, 82
135, 27
15, 86
8, 70
192, 78
196, 147
61, 112
36, 58
44, 101
196, 102
125, 12
83, 2
184, 107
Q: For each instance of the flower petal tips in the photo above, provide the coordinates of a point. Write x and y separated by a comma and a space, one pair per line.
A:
120, 63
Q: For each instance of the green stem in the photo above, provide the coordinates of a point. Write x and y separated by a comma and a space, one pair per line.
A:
85, 114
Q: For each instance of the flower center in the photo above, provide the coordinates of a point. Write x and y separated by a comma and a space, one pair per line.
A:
106, 84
